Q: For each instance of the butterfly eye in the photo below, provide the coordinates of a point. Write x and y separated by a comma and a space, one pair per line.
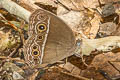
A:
41, 27
35, 53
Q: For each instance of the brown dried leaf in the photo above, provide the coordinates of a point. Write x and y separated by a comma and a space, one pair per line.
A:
101, 61
107, 29
95, 26
90, 3
33, 76
73, 19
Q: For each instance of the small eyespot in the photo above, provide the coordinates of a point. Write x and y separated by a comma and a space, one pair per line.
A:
40, 37
41, 27
35, 53
34, 47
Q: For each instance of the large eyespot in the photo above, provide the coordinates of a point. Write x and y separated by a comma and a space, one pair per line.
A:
35, 53
41, 27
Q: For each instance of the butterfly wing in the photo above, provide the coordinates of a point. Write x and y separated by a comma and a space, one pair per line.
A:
52, 38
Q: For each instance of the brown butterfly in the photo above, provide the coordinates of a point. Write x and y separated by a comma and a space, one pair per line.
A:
50, 39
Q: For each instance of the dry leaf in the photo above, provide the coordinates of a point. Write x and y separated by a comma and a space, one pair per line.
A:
101, 61
95, 26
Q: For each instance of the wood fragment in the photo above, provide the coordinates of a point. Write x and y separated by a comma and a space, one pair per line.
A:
102, 44
12, 59
79, 77
15, 9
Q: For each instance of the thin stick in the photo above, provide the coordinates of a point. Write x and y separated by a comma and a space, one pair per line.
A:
63, 5
12, 59
113, 66
79, 77
15, 9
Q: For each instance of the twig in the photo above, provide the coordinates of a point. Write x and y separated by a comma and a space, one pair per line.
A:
15, 9
12, 25
79, 77
63, 5
74, 4
103, 44
21, 32
100, 3
12, 59
14, 51
113, 66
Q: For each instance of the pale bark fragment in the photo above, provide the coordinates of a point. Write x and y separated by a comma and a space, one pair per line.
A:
29, 3
15, 9
101, 44
46, 2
